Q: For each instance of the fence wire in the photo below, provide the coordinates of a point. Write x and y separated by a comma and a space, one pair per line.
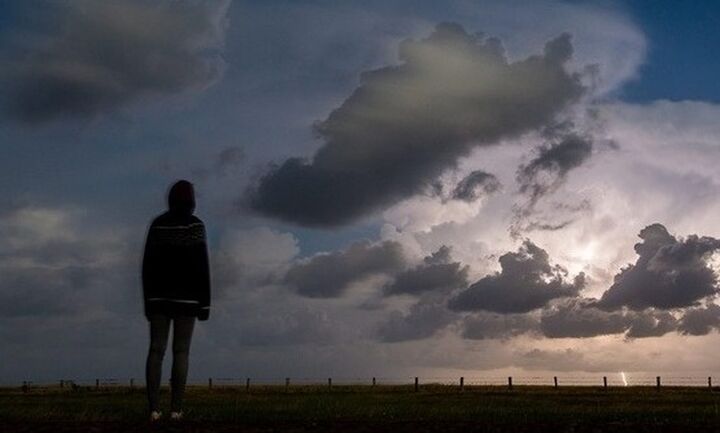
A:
614, 380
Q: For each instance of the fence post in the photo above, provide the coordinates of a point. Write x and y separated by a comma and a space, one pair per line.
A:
555, 381
247, 384
710, 382
462, 384
209, 382
287, 384
605, 382
132, 383
97, 383
417, 385
509, 382
657, 381
329, 383
373, 382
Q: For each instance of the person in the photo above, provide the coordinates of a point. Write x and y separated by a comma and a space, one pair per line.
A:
176, 289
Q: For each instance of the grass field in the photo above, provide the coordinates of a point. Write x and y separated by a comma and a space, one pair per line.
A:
366, 409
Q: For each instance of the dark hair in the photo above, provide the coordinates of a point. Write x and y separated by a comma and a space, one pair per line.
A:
181, 197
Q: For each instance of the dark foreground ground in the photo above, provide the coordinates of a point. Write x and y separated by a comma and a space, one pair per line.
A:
363, 409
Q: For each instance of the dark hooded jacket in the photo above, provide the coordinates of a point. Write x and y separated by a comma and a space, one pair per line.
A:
175, 268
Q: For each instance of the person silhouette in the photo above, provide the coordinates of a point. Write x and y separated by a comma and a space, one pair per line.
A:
176, 288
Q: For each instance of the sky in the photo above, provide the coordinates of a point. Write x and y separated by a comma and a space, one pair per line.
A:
390, 189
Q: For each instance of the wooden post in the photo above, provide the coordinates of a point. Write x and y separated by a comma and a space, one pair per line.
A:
247, 385
329, 383
97, 383
605, 382
209, 382
710, 382
509, 382
132, 383
555, 381
287, 384
462, 384
657, 381
373, 383
417, 385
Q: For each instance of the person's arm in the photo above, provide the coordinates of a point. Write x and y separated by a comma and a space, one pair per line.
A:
148, 268
204, 279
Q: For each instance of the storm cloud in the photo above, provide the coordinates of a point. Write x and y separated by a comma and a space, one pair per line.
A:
475, 185
424, 319
50, 270
485, 326
652, 324
408, 123
577, 319
572, 318
669, 273
526, 282
545, 173
437, 273
580, 318
99, 56
700, 321
328, 275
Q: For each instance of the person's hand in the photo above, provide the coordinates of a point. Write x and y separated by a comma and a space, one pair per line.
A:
204, 314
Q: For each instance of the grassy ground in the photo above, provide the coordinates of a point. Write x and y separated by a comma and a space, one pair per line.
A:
364, 409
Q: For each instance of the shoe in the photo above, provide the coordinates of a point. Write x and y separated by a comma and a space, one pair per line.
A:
155, 415
176, 416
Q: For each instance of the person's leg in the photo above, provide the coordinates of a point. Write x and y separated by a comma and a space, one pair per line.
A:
182, 334
159, 330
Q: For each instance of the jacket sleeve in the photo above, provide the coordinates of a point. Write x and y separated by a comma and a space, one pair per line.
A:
148, 268
204, 278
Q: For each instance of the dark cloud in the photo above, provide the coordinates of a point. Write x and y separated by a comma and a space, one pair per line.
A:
102, 55
651, 324
484, 326
570, 318
669, 273
328, 275
526, 282
406, 124
545, 173
577, 319
228, 159
424, 319
475, 185
223, 163
552, 217
700, 321
50, 269
436, 273
41, 291
580, 318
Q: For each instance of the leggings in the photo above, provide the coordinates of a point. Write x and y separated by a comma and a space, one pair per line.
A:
182, 334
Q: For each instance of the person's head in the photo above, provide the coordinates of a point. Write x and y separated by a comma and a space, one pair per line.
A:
181, 197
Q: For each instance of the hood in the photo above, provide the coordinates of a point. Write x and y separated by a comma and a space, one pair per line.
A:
181, 198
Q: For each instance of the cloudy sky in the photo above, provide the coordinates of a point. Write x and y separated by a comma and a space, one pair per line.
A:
467, 188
